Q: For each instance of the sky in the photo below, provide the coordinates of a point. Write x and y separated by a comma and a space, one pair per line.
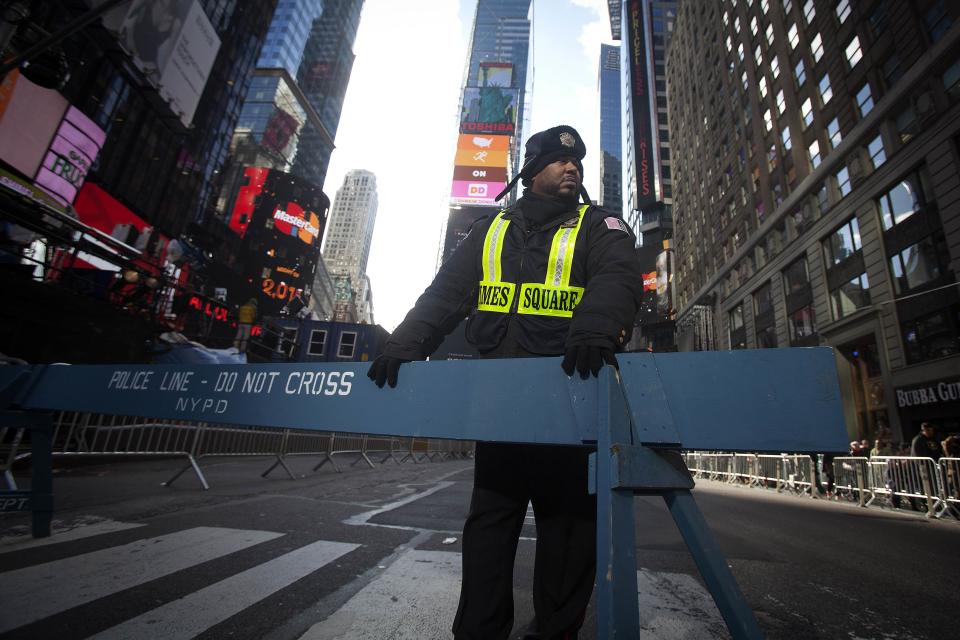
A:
400, 121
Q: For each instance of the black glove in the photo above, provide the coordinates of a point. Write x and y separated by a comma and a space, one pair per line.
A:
385, 369
588, 359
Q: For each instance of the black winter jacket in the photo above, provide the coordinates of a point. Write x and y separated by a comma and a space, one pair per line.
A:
605, 264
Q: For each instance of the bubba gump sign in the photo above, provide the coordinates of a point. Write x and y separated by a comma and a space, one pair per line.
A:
932, 393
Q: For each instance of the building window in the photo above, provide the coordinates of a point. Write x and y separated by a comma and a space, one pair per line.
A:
933, 335
318, 340
774, 66
781, 102
850, 296
802, 326
740, 51
765, 6
920, 264
743, 79
763, 317
864, 100
816, 47
348, 343
768, 120
878, 19
843, 243
843, 10
892, 70
843, 181
951, 79
833, 130
754, 25
729, 44
937, 20
793, 36
877, 154
738, 334
769, 35
806, 110
787, 142
907, 124
854, 52
763, 86
826, 91
814, 152
795, 277
800, 73
809, 11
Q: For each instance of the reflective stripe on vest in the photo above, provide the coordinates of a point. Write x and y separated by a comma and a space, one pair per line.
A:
555, 297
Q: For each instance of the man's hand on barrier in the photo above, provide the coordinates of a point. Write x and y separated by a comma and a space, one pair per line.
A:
385, 369
588, 359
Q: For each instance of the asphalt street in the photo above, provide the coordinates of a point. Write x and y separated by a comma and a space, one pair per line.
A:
375, 553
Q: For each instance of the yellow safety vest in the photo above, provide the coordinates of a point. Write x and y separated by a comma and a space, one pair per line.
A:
555, 297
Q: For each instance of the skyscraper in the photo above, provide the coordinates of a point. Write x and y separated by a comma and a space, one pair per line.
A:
611, 159
646, 27
816, 192
492, 107
323, 76
347, 246
288, 34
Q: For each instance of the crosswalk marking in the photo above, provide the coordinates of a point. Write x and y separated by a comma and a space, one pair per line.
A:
193, 614
415, 598
64, 534
37, 592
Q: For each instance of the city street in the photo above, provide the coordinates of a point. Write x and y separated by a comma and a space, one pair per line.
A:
375, 553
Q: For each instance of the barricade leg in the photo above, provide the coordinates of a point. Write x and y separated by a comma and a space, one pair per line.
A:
280, 463
712, 565
191, 464
41, 475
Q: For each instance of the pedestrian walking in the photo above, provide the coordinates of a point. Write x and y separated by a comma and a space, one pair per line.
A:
246, 316
544, 277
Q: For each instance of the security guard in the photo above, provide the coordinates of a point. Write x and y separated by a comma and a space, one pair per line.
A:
544, 277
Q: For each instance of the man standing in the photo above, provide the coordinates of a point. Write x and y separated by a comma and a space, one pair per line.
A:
544, 277
925, 444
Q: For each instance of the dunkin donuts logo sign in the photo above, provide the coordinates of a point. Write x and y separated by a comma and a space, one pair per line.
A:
293, 220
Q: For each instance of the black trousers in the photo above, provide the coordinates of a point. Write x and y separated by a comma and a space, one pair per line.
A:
554, 479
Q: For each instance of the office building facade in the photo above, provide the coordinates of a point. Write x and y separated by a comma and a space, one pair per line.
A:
817, 193
347, 245
611, 154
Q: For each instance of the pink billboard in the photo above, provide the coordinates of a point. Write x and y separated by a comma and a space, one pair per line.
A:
71, 154
470, 192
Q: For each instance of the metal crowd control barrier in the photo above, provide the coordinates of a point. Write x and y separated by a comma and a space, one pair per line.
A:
912, 478
850, 476
950, 481
638, 419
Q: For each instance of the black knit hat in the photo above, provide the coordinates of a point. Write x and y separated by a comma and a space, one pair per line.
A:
545, 147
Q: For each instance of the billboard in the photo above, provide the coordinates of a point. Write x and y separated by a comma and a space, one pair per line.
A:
495, 74
482, 174
29, 118
640, 88
74, 147
484, 158
489, 109
665, 284
282, 235
247, 199
480, 142
173, 43
466, 192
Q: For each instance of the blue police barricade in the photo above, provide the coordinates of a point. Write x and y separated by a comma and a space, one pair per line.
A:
770, 400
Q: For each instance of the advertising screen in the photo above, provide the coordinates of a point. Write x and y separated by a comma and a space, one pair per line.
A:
283, 237
640, 88
481, 142
459, 223
481, 174
29, 118
72, 152
496, 74
484, 158
489, 110
665, 284
467, 192
173, 43
247, 199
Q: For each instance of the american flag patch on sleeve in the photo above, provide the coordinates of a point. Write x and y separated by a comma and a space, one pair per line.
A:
616, 224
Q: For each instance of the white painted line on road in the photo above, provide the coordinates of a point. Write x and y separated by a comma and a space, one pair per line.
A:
194, 614
40, 591
362, 518
64, 534
674, 606
414, 599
